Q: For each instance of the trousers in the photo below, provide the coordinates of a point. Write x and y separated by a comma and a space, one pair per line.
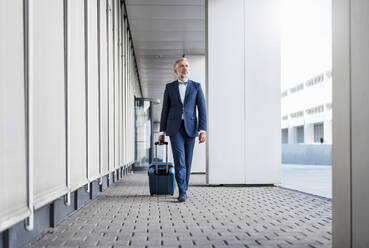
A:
182, 149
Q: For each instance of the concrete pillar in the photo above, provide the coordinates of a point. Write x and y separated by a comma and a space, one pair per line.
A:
243, 92
309, 133
291, 135
350, 123
328, 131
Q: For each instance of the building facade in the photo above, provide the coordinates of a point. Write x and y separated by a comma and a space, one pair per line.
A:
306, 111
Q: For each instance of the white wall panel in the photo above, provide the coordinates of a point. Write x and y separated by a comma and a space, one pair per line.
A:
243, 92
104, 89
116, 82
76, 94
226, 82
13, 168
123, 33
125, 72
48, 102
111, 86
262, 92
92, 92
120, 70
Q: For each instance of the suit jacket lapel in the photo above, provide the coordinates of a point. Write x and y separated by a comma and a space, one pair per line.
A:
188, 90
176, 86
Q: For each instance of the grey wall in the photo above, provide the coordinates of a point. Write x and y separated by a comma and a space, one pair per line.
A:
360, 122
306, 154
350, 123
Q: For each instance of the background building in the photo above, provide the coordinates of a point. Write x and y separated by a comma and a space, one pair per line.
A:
306, 111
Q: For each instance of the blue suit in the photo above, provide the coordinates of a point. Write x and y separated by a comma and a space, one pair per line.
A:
183, 132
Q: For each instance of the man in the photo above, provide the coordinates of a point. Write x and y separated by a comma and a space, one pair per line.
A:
179, 122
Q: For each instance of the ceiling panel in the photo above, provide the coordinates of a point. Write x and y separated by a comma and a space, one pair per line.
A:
164, 30
164, 25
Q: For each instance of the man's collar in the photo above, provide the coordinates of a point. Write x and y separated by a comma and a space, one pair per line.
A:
185, 81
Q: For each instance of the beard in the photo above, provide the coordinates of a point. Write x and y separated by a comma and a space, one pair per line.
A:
183, 76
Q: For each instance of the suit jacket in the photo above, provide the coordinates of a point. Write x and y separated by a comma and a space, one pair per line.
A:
173, 108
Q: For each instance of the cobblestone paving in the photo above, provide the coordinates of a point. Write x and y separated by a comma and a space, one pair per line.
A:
125, 215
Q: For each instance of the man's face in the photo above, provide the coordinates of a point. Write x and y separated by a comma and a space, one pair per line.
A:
182, 69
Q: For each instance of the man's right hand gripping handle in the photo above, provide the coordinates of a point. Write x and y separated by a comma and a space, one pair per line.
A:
161, 139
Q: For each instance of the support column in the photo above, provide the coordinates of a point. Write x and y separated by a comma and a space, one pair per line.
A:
350, 123
243, 92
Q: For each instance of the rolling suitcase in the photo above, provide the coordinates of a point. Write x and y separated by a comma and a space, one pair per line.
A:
161, 175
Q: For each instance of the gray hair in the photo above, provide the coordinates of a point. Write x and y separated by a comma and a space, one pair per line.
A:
177, 62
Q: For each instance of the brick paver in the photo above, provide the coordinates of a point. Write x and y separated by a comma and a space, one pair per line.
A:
125, 215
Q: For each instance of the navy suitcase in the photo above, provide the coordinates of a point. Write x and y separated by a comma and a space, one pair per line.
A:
161, 175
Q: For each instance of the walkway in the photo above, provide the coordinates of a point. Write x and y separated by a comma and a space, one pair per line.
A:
313, 179
126, 216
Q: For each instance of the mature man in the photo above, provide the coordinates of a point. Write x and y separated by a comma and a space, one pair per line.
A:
179, 122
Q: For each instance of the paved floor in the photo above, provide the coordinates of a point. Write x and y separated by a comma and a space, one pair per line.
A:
313, 179
126, 216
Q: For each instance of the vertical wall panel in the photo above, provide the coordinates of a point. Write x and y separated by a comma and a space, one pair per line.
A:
360, 122
125, 91
76, 94
116, 82
104, 89
250, 91
131, 116
13, 168
123, 32
341, 125
350, 123
118, 12
120, 70
262, 92
229, 114
92, 91
49, 102
111, 85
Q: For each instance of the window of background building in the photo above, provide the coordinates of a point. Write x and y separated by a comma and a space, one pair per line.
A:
285, 136
319, 132
300, 134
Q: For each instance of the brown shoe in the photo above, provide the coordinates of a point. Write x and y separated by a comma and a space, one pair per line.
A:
181, 199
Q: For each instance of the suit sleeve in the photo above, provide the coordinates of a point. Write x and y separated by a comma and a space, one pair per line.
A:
164, 111
201, 107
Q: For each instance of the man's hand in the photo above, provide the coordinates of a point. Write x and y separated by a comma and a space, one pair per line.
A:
161, 139
202, 137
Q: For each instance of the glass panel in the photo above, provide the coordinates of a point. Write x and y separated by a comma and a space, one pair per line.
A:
143, 133
319, 132
285, 136
300, 134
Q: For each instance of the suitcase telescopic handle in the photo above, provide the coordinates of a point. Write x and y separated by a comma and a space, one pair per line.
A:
156, 157
164, 143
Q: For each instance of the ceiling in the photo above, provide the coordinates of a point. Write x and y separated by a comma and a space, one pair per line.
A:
162, 31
